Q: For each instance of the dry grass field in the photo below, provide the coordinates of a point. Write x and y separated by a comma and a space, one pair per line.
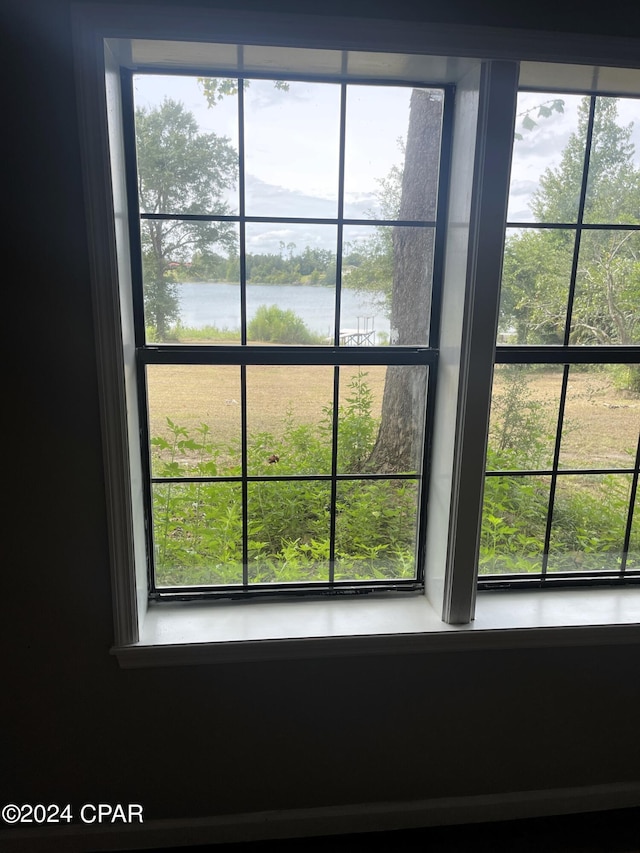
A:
601, 422
190, 395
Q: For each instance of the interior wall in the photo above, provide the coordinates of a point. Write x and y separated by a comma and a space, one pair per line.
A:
214, 739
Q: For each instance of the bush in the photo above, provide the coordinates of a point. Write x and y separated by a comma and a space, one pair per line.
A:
275, 325
626, 377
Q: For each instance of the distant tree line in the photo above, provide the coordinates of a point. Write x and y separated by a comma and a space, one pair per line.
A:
311, 266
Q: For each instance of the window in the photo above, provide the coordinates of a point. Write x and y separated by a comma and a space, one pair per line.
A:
286, 277
196, 445
561, 491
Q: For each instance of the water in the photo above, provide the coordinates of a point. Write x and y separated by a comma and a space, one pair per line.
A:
219, 305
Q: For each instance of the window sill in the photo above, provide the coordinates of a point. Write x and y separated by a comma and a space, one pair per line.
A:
195, 632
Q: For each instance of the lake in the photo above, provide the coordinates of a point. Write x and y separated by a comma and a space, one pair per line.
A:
218, 304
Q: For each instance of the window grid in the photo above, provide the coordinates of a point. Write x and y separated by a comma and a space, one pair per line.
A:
244, 356
569, 355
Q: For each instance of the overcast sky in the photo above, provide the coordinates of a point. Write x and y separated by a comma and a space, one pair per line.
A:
291, 144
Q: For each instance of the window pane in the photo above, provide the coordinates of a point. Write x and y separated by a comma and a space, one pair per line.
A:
514, 519
243, 430
589, 520
547, 126
381, 419
633, 555
524, 417
194, 420
605, 309
390, 130
187, 153
288, 531
288, 419
535, 285
191, 281
197, 533
291, 144
614, 177
291, 283
376, 529
392, 268
601, 419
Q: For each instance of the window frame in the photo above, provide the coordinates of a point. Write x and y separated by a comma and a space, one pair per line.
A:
333, 355
570, 354
485, 74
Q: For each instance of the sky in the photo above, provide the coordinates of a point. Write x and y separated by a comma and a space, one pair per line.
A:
291, 145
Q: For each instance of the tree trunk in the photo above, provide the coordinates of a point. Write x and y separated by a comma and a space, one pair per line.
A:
398, 447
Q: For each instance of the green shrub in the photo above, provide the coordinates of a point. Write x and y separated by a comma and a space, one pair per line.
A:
520, 437
271, 324
626, 377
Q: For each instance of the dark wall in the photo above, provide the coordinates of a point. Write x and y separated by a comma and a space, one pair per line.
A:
216, 739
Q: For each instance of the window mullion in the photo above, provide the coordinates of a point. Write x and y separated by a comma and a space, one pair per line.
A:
484, 120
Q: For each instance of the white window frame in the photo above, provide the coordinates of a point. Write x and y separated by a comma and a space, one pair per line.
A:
485, 66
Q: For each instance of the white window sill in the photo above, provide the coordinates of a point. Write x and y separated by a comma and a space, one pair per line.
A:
197, 632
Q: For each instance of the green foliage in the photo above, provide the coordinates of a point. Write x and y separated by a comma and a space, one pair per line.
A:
311, 267
198, 526
589, 519
588, 524
537, 264
513, 524
272, 324
203, 333
207, 266
375, 529
626, 377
